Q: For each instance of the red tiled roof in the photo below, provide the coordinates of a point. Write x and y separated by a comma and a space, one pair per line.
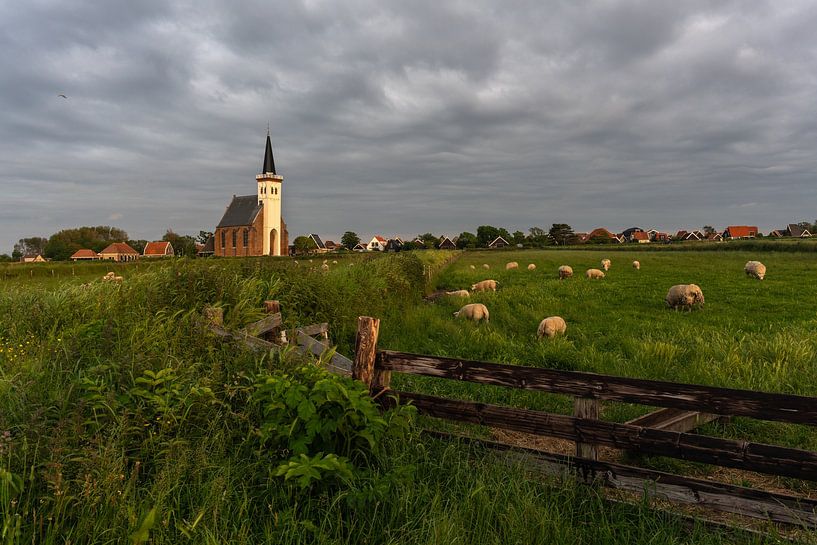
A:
600, 232
119, 248
84, 253
157, 248
641, 235
380, 239
736, 231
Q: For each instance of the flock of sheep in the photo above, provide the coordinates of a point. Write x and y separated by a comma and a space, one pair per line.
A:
681, 296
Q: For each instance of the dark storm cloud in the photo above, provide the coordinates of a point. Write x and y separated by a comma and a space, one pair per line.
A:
408, 117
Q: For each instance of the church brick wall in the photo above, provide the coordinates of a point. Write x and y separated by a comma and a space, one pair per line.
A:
255, 242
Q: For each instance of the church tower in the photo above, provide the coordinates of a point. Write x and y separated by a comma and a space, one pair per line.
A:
269, 197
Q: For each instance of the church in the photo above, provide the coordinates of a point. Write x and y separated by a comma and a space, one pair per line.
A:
252, 224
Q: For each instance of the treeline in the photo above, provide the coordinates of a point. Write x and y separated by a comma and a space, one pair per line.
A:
61, 245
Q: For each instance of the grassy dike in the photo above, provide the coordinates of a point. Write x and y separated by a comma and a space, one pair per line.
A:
122, 422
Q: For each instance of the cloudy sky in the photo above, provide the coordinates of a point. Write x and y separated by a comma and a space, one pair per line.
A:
408, 116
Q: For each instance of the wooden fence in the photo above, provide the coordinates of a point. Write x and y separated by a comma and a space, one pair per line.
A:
664, 432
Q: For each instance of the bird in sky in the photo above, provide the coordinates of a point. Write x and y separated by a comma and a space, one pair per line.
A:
63, 96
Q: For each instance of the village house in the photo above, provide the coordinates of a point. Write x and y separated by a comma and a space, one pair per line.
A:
447, 244
796, 231
208, 248
253, 225
394, 245
360, 247
498, 242
331, 245
33, 258
161, 248
600, 234
740, 231
84, 255
119, 251
377, 244
640, 237
320, 247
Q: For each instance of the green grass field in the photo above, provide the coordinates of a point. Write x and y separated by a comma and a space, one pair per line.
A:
114, 404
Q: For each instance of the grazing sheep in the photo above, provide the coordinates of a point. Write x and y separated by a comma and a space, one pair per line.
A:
684, 296
565, 271
756, 269
474, 311
485, 285
324, 267
296, 261
551, 326
594, 274
605, 264
458, 293
334, 262
485, 266
473, 268
511, 265
531, 267
637, 265
109, 277
118, 279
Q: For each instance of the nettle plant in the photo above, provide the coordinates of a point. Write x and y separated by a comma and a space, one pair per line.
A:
323, 427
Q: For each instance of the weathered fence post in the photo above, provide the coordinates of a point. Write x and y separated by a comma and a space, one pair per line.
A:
274, 335
365, 349
586, 407
214, 315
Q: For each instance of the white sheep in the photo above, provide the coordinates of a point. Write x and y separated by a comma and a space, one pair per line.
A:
511, 265
565, 271
473, 311
551, 326
637, 265
755, 269
334, 262
473, 268
594, 274
485, 285
118, 279
684, 296
324, 267
531, 267
605, 264
458, 293
486, 266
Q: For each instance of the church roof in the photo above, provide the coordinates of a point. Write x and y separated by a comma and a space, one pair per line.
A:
242, 211
269, 161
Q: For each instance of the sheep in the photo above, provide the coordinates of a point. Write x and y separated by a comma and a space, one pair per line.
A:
458, 293
334, 262
565, 271
605, 264
474, 311
637, 265
511, 265
551, 326
118, 279
684, 296
531, 267
756, 269
473, 268
486, 266
109, 277
594, 274
485, 285
324, 267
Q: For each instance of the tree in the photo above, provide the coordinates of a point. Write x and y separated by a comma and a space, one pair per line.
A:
62, 244
183, 245
350, 239
537, 236
486, 233
410, 245
5, 258
708, 230
518, 237
304, 245
203, 237
562, 234
429, 240
467, 240
31, 245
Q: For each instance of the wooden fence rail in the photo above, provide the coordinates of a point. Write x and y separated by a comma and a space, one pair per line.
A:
660, 433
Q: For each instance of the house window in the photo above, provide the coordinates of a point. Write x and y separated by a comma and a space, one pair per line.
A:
246, 236
234, 238
223, 239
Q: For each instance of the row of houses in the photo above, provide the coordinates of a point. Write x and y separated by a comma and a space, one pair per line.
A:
395, 244
640, 236
122, 251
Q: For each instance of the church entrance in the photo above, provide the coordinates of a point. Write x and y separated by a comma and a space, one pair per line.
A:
273, 242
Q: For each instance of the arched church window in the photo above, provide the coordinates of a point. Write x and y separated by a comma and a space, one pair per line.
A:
234, 238
246, 236
223, 239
